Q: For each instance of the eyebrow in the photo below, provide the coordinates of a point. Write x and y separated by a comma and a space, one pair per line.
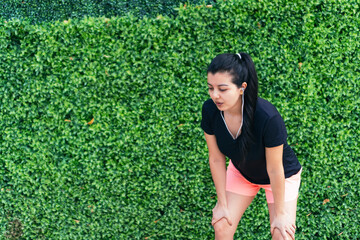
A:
220, 85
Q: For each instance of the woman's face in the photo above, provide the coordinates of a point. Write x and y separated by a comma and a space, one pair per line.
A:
225, 94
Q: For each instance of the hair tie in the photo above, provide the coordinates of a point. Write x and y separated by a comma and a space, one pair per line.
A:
239, 55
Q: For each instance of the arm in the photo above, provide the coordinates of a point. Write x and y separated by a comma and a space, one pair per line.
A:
217, 164
275, 169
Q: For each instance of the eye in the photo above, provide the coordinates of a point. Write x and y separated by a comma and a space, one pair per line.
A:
210, 89
222, 90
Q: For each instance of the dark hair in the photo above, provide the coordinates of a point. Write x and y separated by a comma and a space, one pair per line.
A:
242, 70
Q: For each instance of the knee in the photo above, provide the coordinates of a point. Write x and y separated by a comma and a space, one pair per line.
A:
223, 230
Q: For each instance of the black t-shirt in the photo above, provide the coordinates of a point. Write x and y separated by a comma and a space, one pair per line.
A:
269, 131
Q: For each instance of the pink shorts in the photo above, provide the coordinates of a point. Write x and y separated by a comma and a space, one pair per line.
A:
237, 183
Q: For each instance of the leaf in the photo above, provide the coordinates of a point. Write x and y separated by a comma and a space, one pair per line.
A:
326, 201
91, 122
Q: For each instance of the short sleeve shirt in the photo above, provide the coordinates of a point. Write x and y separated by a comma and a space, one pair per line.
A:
269, 131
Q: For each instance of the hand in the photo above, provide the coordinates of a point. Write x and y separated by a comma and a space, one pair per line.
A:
220, 212
283, 223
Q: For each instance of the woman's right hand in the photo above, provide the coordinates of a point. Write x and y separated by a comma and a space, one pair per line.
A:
220, 212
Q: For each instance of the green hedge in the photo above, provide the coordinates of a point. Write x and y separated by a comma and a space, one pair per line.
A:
139, 170
44, 10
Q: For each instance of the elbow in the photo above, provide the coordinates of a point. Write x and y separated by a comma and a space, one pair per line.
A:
216, 160
275, 168
277, 172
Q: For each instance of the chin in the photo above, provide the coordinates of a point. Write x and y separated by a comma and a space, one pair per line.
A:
220, 107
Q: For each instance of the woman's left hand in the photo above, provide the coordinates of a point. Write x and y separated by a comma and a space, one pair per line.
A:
283, 223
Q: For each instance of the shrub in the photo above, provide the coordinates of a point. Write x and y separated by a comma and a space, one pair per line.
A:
40, 10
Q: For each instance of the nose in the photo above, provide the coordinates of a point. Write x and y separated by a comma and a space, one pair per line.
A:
216, 94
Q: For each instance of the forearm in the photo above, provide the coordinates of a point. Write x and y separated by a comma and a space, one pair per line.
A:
277, 181
218, 172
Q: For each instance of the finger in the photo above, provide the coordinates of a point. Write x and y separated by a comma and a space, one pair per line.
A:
229, 221
214, 221
284, 235
272, 230
293, 230
292, 234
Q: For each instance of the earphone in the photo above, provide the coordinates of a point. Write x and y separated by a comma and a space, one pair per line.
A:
243, 88
242, 91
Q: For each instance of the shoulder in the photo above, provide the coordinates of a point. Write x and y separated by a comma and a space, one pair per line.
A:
265, 109
209, 107
209, 111
270, 123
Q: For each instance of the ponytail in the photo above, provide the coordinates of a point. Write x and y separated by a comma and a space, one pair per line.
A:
250, 99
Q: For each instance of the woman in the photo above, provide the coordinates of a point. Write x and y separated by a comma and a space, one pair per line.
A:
249, 131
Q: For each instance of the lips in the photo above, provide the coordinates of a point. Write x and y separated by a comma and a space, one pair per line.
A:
218, 104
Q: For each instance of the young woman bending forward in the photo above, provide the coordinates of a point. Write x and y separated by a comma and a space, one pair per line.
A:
251, 133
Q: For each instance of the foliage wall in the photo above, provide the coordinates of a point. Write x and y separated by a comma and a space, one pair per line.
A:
43, 10
99, 119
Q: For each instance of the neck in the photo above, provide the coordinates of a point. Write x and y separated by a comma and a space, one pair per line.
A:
236, 110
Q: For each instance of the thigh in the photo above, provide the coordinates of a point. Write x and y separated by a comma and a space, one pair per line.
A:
237, 204
292, 186
237, 183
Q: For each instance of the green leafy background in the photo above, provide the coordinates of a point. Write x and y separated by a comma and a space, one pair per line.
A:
38, 11
139, 170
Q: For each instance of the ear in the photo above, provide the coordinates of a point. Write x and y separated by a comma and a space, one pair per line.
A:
244, 85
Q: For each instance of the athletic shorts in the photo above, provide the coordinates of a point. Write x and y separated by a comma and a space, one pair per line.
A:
237, 183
